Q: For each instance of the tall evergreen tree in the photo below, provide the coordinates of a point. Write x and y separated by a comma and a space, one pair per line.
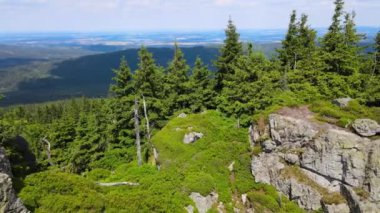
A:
289, 53
377, 54
231, 50
121, 106
340, 44
201, 85
177, 80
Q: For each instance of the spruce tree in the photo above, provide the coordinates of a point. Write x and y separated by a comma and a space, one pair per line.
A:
201, 85
176, 81
377, 54
289, 53
231, 50
121, 105
340, 44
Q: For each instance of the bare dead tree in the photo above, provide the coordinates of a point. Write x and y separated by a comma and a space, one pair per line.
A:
148, 134
119, 184
48, 152
137, 132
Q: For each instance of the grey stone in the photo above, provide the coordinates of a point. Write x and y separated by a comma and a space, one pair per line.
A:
182, 115
192, 137
335, 208
268, 146
189, 209
8, 199
292, 158
202, 203
342, 102
366, 127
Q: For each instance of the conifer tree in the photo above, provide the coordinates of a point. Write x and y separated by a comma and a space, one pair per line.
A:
177, 80
231, 50
121, 105
290, 46
201, 85
340, 44
122, 81
377, 54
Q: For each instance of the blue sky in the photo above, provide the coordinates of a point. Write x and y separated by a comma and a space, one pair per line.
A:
124, 15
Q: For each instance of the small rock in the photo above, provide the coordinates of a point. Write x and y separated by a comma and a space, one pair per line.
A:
204, 204
182, 115
336, 208
221, 208
244, 198
342, 102
292, 158
192, 137
231, 166
178, 129
268, 146
189, 209
366, 127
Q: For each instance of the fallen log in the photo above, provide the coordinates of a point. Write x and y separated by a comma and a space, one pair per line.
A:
119, 184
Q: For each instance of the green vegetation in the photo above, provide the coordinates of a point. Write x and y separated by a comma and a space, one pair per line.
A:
60, 150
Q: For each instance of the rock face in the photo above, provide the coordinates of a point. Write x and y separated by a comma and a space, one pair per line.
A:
8, 199
192, 137
311, 162
342, 102
366, 127
204, 204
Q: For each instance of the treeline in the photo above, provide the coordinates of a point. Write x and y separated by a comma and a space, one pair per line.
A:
86, 134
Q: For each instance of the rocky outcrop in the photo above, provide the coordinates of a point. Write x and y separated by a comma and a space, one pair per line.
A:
192, 137
366, 127
8, 199
202, 203
311, 162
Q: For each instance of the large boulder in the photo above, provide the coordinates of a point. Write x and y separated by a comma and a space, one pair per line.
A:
312, 160
8, 199
366, 127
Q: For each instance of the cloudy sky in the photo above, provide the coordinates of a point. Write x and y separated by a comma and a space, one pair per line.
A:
124, 15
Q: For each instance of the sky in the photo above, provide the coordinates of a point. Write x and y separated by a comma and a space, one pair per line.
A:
153, 15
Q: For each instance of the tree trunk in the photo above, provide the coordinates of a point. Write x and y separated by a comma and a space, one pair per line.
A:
147, 121
137, 132
119, 184
48, 153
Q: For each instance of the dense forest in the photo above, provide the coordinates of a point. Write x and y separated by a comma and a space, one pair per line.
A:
59, 150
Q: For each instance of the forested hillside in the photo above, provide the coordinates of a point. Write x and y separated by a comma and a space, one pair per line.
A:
64, 153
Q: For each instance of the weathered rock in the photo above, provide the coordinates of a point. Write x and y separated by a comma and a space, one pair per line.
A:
266, 167
189, 209
253, 135
366, 127
192, 137
335, 208
182, 115
328, 156
286, 129
342, 102
292, 158
8, 199
268, 146
204, 204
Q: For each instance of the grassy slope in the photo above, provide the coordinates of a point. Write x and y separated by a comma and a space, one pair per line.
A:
200, 167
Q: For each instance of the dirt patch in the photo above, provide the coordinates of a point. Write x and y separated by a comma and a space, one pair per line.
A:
301, 112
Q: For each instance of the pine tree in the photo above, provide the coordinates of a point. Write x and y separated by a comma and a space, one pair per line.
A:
123, 85
231, 50
289, 53
377, 54
121, 106
340, 44
176, 81
201, 85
